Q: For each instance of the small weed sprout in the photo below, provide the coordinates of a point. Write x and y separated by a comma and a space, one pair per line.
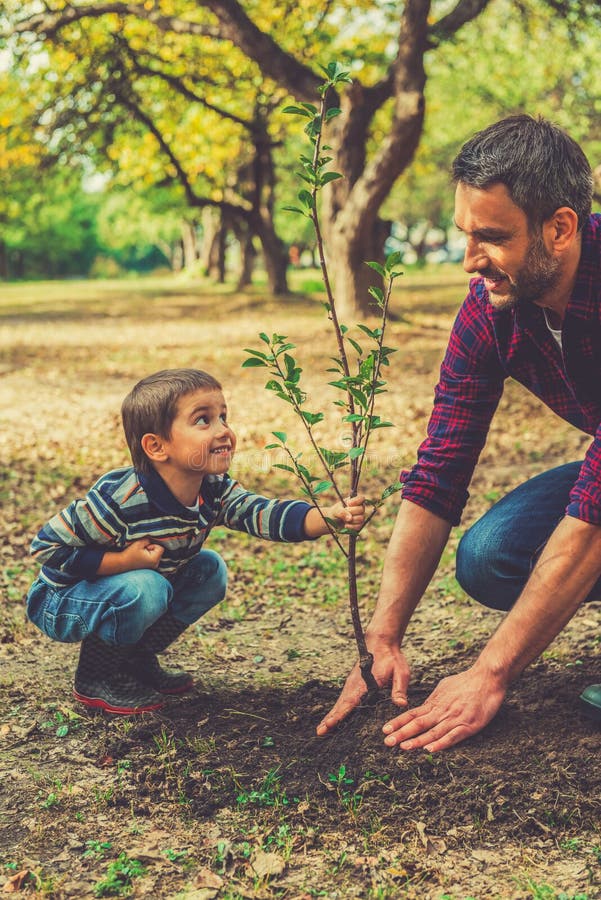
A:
96, 849
356, 373
119, 877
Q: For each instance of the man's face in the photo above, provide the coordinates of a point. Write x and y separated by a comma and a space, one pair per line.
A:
515, 264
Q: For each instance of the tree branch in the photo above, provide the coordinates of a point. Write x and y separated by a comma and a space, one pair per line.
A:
445, 28
234, 26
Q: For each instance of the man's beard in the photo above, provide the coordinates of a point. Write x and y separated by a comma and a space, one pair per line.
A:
539, 274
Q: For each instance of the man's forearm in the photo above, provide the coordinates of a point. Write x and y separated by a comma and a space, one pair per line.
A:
564, 575
413, 553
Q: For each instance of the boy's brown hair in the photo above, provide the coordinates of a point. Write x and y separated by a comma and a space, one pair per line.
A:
151, 407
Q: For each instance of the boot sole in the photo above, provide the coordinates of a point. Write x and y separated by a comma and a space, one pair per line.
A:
174, 691
99, 703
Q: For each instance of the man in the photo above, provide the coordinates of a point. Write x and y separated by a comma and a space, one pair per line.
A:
523, 201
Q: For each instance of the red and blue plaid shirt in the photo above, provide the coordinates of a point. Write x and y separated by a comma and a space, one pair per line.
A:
486, 347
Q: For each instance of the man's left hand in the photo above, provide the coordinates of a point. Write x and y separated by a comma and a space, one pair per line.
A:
460, 706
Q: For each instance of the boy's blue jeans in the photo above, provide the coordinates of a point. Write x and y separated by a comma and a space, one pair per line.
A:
120, 608
497, 554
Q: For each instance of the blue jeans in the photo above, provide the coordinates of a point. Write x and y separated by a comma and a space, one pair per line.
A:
497, 554
120, 608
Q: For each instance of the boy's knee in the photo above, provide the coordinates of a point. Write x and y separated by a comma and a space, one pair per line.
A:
147, 589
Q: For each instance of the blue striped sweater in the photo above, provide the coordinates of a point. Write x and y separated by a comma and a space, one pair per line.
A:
125, 505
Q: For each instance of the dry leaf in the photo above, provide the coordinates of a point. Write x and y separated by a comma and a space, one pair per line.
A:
266, 864
15, 882
208, 879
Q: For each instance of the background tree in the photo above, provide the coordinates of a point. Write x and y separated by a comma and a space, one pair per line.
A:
162, 66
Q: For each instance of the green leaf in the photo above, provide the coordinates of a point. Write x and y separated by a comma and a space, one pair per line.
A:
330, 176
374, 334
280, 435
294, 209
332, 112
353, 417
312, 418
392, 260
334, 458
356, 346
307, 198
377, 293
355, 452
284, 467
298, 111
264, 337
254, 363
321, 487
391, 489
377, 268
303, 470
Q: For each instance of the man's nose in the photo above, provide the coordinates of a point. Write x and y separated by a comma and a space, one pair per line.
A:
474, 259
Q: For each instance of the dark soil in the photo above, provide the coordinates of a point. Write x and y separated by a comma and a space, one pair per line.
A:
227, 793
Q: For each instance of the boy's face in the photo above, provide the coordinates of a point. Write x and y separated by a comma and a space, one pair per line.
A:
201, 441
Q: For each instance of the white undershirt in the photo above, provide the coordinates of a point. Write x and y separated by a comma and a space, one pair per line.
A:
556, 332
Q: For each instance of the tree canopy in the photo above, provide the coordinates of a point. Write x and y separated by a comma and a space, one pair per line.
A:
189, 94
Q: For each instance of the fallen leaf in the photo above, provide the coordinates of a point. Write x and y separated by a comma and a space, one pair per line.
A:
266, 864
208, 879
15, 882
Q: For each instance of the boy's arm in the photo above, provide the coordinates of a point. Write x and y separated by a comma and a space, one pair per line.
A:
140, 554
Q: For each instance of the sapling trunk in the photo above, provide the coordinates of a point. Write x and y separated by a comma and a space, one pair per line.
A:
358, 389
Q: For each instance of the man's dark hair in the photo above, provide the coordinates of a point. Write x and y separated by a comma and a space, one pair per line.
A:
541, 166
151, 406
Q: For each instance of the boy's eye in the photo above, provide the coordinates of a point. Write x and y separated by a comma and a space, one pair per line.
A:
202, 420
223, 417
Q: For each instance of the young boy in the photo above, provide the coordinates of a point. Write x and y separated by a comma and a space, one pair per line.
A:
123, 570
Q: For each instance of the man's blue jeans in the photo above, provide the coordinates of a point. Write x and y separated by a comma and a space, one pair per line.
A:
120, 608
496, 556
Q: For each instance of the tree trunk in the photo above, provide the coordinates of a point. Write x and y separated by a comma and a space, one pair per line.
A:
247, 260
352, 277
275, 256
189, 244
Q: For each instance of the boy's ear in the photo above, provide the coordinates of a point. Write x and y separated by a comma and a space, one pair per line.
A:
153, 447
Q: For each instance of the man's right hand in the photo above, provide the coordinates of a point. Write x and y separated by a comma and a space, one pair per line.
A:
389, 667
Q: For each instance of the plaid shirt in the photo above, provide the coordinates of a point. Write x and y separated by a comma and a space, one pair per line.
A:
486, 347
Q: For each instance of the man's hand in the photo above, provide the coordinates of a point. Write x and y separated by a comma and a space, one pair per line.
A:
460, 706
389, 667
140, 554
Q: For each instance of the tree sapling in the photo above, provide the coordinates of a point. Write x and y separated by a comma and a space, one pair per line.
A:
357, 371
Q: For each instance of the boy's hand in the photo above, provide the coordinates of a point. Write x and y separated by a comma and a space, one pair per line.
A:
350, 514
140, 554
143, 554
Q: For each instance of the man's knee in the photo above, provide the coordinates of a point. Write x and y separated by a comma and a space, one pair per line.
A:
488, 569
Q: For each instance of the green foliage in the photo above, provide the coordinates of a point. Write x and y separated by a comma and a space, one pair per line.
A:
119, 877
357, 365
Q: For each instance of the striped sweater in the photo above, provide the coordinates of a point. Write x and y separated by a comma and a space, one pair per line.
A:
125, 505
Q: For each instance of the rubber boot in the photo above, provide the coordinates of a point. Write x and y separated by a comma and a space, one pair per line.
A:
144, 664
590, 700
104, 680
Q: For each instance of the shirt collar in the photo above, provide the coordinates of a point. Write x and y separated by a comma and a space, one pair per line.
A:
584, 302
161, 496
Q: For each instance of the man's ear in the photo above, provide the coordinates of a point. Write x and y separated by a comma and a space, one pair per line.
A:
154, 447
561, 230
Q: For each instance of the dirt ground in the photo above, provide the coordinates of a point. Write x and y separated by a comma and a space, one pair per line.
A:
227, 792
